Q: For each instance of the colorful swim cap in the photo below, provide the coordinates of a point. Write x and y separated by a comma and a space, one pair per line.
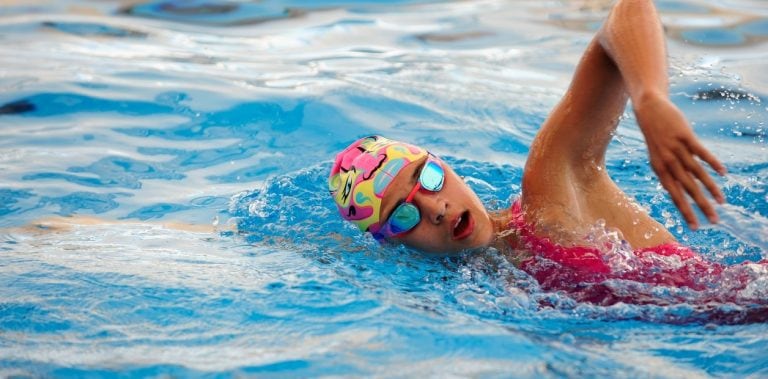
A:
363, 172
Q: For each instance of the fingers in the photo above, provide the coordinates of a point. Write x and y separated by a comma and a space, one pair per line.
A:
676, 193
699, 150
674, 150
680, 173
699, 173
686, 180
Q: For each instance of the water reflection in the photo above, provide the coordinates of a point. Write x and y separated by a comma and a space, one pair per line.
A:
703, 25
453, 37
93, 29
212, 12
228, 13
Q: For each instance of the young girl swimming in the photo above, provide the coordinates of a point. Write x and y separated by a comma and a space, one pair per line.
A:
402, 193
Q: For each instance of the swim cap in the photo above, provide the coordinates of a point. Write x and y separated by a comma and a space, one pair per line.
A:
363, 172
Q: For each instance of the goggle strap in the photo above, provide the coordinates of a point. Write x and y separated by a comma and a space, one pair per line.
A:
415, 189
382, 234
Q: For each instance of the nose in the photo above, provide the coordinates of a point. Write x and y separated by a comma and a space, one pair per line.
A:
431, 206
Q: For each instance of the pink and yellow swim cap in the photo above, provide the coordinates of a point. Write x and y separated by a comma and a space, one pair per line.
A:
363, 172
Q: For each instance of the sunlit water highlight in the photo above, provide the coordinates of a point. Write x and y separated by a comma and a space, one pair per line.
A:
226, 115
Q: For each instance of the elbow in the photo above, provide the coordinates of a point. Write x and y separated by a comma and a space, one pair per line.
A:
627, 16
625, 10
633, 3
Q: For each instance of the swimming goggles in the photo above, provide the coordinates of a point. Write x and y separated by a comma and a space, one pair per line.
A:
406, 215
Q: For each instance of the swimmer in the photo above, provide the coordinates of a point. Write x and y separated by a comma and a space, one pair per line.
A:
402, 193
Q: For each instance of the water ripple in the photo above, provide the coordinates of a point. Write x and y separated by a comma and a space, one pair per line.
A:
200, 134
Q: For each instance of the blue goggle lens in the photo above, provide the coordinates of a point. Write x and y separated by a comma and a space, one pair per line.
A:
404, 218
432, 176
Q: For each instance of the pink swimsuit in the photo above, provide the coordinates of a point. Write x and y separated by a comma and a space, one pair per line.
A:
584, 272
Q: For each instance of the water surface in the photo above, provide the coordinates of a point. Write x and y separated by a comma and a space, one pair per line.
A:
225, 116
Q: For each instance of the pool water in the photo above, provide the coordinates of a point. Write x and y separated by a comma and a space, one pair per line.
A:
164, 211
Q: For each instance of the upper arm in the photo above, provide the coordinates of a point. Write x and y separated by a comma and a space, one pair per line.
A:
570, 146
577, 131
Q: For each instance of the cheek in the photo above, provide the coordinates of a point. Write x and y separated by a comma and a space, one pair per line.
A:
465, 192
454, 183
424, 239
423, 236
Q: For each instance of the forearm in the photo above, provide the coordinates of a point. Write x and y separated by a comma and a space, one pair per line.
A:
633, 38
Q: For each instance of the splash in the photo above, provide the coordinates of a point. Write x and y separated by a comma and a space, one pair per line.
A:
675, 285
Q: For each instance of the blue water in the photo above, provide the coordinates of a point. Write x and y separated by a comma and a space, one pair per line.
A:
163, 209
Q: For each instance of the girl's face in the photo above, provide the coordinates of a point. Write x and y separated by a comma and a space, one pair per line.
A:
452, 219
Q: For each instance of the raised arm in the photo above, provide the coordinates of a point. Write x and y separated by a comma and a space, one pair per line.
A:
633, 38
627, 57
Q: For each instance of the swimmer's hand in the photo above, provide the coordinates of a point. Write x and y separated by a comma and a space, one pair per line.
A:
673, 148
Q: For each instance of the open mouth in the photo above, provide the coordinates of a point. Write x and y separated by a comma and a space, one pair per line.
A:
463, 226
